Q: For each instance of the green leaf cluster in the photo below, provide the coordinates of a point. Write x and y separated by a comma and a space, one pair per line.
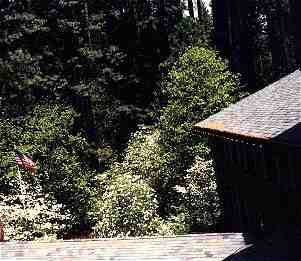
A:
77, 78
170, 157
47, 134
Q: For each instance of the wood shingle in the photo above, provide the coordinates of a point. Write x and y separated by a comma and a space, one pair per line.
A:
273, 113
256, 147
203, 247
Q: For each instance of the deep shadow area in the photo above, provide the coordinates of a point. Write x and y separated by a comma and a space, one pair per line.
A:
280, 247
291, 136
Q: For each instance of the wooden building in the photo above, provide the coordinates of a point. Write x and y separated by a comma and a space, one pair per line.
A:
256, 145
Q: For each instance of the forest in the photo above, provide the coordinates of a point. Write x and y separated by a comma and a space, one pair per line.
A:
103, 95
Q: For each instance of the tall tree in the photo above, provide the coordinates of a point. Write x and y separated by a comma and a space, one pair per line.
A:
203, 16
281, 38
254, 34
295, 25
191, 8
233, 36
222, 25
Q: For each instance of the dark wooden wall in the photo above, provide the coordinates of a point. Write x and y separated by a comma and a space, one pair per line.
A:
259, 185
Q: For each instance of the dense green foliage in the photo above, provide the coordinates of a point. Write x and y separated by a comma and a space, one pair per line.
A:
126, 207
200, 196
195, 87
31, 215
46, 133
79, 83
103, 96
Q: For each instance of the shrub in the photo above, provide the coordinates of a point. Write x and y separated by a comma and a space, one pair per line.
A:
126, 208
200, 196
32, 215
130, 192
144, 156
162, 186
197, 86
48, 134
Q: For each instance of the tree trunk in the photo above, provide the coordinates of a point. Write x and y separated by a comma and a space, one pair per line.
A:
200, 6
190, 8
283, 57
221, 24
295, 25
86, 13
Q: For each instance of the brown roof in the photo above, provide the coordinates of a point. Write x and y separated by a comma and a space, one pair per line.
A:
203, 247
273, 113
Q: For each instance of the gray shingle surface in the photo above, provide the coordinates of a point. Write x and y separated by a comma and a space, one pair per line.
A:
203, 247
271, 113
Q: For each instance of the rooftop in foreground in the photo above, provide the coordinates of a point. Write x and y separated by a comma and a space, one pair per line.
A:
203, 247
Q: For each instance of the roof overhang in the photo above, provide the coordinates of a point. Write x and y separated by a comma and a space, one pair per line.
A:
271, 115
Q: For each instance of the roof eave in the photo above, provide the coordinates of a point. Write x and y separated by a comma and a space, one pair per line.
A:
240, 137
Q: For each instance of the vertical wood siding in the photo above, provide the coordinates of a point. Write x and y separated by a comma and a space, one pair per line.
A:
259, 185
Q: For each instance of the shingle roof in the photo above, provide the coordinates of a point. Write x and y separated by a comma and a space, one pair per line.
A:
273, 113
203, 247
